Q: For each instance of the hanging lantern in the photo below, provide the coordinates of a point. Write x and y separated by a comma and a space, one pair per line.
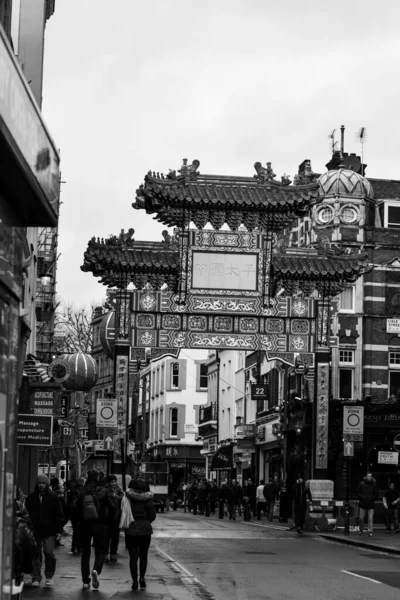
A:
83, 372
107, 333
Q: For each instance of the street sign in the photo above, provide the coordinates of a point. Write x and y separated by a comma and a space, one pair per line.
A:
108, 443
352, 437
35, 430
396, 442
106, 413
353, 420
259, 391
348, 449
388, 458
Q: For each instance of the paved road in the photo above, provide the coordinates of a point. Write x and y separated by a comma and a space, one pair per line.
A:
251, 561
199, 558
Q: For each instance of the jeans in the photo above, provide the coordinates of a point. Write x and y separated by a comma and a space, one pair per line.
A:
261, 507
392, 514
112, 541
232, 508
138, 547
46, 545
97, 533
370, 513
76, 542
246, 510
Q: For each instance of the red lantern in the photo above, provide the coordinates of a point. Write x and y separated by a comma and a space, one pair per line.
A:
83, 372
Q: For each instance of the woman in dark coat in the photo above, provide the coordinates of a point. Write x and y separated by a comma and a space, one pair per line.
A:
138, 534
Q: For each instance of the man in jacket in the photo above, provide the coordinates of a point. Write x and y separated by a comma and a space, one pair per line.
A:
113, 501
271, 491
235, 498
93, 530
47, 519
367, 493
391, 502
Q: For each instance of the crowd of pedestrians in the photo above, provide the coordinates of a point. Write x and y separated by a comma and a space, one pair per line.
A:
98, 509
206, 498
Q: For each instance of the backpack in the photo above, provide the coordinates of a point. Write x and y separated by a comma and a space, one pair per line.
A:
89, 509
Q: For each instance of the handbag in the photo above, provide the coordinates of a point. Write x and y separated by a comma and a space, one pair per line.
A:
126, 514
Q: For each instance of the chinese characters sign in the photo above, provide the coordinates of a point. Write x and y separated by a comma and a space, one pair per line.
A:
224, 271
321, 458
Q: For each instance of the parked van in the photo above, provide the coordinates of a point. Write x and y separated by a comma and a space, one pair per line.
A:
47, 469
61, 471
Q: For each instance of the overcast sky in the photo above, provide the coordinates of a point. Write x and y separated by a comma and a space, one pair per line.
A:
135, 85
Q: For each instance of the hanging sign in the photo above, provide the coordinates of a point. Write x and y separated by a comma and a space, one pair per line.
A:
35, 430
259, 391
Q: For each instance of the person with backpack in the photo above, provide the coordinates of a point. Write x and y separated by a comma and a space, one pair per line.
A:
91, 511
113, 497
73, 492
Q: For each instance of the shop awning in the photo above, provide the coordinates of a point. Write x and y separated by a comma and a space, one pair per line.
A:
222, 459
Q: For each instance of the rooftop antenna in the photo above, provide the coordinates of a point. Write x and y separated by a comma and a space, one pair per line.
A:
361, 137
341, 166
332, 143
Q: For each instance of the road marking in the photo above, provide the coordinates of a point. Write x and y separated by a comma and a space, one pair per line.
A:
361, 576
172, 560
279, 527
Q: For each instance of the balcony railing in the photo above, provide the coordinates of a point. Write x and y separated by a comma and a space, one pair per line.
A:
208, 413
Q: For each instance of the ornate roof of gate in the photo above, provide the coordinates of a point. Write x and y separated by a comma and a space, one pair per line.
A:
118, 261
255, 202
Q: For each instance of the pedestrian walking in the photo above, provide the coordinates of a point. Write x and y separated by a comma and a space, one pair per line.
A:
235, 498
246, 501
301, 497
25, 546
203, 498
73, 492
367, 493
271, 491
58, 489
252, 497
92, 516
214, 491
47, 519
223, 500
391, 502
260, 500
113, 498
138, 534
193, 496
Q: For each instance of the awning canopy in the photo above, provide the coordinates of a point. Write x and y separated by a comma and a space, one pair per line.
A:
222, 459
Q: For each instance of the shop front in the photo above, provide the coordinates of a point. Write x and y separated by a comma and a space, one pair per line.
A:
28, 197
223, 465
184, 463
269, 449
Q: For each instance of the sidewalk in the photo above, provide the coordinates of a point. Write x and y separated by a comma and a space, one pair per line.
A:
163, 582
381, 540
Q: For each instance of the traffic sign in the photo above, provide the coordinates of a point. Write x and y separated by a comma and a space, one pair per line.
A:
106, 413
348, 449
353, 420
108, 443
396, 442
388, 458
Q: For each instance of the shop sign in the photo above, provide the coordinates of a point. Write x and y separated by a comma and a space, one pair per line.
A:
35, 430
321, 451
389, 419
177, 465
392, 325
23, 120
171, 451
59, 370
191, 428
388, 458
244, 431
42, 401
198, 471
212, 444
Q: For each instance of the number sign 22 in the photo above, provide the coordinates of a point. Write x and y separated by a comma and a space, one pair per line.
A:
259, 391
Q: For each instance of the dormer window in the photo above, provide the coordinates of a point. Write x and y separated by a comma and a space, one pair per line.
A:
389, 213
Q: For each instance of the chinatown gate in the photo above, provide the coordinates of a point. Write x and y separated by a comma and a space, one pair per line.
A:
234, 285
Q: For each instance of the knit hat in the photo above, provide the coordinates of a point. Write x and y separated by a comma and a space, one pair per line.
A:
42, 478
92, 475
112, 478
80, 481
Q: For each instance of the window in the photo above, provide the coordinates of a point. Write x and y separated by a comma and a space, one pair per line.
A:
173, 414
175, 375
394, 383
390, 214
347, 300
394, 359
346, 356
203, 376
325, 215
348, 214
345, 383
